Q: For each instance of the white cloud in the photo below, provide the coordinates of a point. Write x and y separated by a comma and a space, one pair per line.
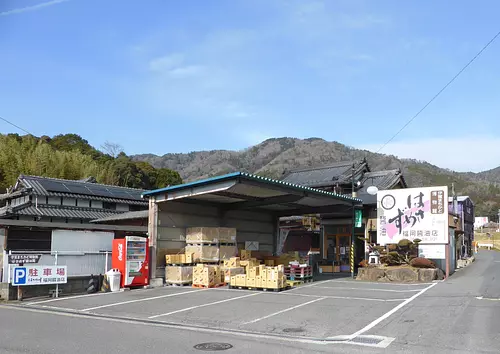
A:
166, 63
462, 154
31, 8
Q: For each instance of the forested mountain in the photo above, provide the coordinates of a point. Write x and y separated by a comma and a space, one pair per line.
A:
70, 156
274, 156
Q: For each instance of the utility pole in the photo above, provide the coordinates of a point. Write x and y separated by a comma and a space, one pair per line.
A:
353, 194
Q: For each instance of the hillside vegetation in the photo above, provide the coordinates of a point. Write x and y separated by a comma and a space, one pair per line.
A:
273, 157
72, 157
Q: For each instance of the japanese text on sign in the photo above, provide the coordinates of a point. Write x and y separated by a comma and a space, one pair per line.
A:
24, 258
39, 275
413, 213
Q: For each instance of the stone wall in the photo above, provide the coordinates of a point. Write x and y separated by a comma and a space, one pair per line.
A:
399, 275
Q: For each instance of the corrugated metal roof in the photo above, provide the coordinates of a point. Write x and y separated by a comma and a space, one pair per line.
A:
131, 215
251, 177
66, 212
325, 175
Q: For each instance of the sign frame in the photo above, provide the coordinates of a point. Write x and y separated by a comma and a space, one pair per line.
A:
413, 213
30, 275
17, 259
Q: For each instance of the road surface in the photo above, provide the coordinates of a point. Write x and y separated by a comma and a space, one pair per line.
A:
460, 315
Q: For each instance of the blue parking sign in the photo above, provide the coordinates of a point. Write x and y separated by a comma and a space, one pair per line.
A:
19, 276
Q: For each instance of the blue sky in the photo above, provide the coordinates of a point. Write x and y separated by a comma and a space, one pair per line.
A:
177, 76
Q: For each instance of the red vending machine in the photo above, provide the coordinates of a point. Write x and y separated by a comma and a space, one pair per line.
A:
131, 258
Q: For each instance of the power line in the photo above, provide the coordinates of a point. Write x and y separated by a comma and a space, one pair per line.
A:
17, 126
440, 91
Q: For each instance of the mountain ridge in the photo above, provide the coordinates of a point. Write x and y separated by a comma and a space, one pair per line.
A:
273, 157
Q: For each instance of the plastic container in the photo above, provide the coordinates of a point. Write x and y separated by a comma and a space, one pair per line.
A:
114, 277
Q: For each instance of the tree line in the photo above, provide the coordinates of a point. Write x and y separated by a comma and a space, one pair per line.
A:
69, 156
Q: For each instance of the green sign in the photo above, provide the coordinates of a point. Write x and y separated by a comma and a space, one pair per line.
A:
358, 218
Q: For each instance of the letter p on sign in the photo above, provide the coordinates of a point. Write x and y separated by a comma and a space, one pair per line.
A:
19, 276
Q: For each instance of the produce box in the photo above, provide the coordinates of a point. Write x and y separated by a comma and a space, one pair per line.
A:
227, 235
258, 281
179, 274
203, 253
232, 262
245, 255
202, 234
175, 258
253, 272
231, 272
205, 276
251, 282
227, 251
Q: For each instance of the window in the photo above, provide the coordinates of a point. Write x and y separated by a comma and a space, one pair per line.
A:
109, 206
137, 207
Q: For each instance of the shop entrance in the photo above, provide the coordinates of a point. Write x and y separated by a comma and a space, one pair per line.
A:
338, 247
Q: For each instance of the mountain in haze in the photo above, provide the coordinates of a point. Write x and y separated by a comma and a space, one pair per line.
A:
273, 157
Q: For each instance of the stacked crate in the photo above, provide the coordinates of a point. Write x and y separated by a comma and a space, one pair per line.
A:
211, 244
297, 274
207, 276
260, 277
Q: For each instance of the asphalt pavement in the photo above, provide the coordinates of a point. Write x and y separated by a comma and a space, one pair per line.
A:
459, 315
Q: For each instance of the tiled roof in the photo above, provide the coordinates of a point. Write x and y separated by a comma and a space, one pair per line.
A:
381, 179
324, 176
131, 215
460, 198
66, 212
53, 187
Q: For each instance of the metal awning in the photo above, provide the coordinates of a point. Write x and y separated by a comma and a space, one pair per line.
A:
244, 191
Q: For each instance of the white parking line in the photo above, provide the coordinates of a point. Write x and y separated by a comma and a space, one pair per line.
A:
282, 311
140, 300
69, 298
386, 315
204, 305
367, 289
344, 297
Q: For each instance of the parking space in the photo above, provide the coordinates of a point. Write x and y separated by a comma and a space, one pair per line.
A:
319, 310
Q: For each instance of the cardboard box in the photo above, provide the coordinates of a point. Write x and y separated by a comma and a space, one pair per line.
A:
227, 235
251, 282
179, 274
231, 272
241, 280
258, 281
253, 271
233, 281
189, 257
228, 251
269, 262
232, 262
203, 275
202, 234
245, 255
175, 259
203, 253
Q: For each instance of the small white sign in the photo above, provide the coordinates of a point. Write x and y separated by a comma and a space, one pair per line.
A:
39, 275
432, 251
251, 245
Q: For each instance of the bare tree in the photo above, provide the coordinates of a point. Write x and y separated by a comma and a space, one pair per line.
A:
112, 149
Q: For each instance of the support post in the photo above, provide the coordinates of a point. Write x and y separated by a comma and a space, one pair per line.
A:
152, 236
353, 241
57, 285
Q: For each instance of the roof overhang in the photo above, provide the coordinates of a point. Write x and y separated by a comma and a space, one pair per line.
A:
243, 191
70, 226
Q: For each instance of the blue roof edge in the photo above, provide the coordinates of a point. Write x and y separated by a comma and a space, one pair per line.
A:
250, 177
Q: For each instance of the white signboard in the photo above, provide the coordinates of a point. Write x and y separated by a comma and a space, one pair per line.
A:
413, 213
432, 251
39, 275
480, 221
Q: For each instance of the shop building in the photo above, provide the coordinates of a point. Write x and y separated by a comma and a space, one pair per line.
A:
251, 204
332, 232
52, 217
